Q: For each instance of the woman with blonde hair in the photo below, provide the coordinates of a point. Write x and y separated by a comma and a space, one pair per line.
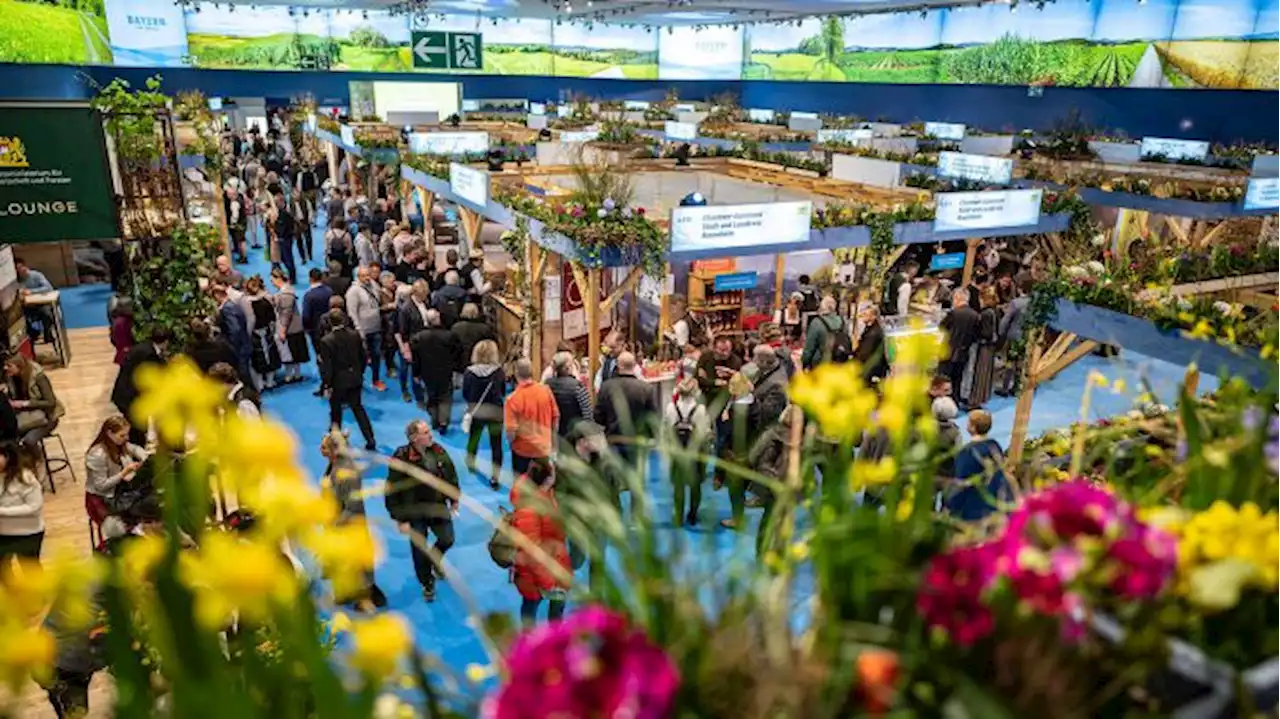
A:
484, 386
691, 428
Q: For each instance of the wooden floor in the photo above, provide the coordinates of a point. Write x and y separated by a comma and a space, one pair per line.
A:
85, 390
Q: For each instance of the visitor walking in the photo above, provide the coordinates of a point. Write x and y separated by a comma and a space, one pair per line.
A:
437, 354
291, 340
530, 419
827, 338
342, 360
980, 481
687, 420
572, 398
420, 509
484, 385
364, 306
536, 517
961, 329
125, 390
411, 318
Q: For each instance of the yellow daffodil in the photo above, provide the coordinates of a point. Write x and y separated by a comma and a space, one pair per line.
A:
478, 673
340, 623
1222, 551
177, 396
77, 579
287, 507
345, 553
27, 590
140, 557
835, 396
378, 644
1217, 586
1098, 379
799, 550
1119, 386
230, 574
25, 652
906, 505
867, 473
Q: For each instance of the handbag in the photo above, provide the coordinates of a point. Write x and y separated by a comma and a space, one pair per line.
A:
466, 416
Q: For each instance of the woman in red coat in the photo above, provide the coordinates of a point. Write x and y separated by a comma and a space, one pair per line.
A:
537, 518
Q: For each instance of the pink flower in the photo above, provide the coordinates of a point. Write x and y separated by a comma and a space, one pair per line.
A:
640, 211
952, 589
1040, 580
1143, 563
591, 664
1067, 511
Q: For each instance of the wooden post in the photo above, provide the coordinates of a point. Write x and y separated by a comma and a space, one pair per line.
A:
591, 301
472, 221
428, 201
779, 265
970, 254
537, 260
1022, 412
331, 156
664, 307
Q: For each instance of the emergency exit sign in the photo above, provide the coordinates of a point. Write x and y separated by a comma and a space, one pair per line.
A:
447, 50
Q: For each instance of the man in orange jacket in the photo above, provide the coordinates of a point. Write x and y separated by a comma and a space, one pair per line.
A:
531, 417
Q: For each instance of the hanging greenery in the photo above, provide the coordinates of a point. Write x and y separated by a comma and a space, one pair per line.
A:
516, 244
131, 119
192, 106
166, 286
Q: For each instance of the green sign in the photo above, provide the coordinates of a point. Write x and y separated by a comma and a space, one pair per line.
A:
54, 180
447, 50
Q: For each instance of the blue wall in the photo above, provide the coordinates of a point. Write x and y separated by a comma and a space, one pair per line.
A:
1219, 115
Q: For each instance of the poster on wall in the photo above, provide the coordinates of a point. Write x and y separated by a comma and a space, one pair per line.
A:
145, 33
605, 51
54, 32
958, 211
709, 53
721, 226
573, 314
53, 168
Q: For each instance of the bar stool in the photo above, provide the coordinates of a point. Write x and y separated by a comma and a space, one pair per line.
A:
57, 463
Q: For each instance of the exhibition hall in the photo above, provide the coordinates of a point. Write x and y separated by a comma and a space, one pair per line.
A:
618, 359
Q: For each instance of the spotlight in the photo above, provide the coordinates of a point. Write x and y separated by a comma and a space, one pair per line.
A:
693, 199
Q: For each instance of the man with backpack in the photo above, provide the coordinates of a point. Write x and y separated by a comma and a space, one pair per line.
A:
419, 508
828, 338
687, 418
450, 298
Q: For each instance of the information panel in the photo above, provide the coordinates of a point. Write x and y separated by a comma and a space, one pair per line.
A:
1175, 149
805, 115
635, 105
680, 130
981, 168
849, 135
723, 226
348, 134
471, 106
958, 211
758, 115
579, 135
1263, 193
448, 143
469, 185
947, 261
944, 130
537, 108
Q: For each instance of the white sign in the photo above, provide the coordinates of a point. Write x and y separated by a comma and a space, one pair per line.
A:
551, 298
1263, 193
1175, 149
982, 168
723, 226
348, 134
311, 122
448, 143
959, 211
469, 184
635, 105
848, 135
563, 110
685, 107
944, 130
805, 115
8, 271
537, 122
765, 116
586, 135
680, 130
143, 33
538, 108
471, 106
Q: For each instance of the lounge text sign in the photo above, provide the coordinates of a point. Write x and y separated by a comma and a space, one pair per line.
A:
959, 211
54, 182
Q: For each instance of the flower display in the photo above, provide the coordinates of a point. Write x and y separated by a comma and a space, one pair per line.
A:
952, 593
1223, 550
591, 664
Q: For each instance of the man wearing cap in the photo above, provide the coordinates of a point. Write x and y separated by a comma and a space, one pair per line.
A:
471, 273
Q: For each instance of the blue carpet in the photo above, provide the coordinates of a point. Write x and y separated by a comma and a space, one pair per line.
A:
85, 306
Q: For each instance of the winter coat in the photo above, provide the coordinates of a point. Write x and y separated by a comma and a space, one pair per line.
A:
630, 395
487, 381
470, 333
536, 517
572, 399
437, 354
406, 497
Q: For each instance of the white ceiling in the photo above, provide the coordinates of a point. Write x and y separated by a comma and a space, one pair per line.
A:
648, 12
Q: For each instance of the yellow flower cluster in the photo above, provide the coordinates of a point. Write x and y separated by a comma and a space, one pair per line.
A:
1222, 551
63, 586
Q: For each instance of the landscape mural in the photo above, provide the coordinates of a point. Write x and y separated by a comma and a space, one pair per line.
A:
72, 32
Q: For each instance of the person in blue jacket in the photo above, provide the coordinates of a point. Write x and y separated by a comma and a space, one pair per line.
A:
234, 326
980, 479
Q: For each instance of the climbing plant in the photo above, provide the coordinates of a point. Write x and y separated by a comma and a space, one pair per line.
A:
166, 280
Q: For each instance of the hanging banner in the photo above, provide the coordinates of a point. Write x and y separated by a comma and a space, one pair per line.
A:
722, 226
469, 185
986, 210
54, 180
573, 313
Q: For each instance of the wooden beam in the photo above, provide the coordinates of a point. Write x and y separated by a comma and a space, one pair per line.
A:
1055, 351
1212, 234
1264, 279
1022, 411
779, 266
1176, 226
970, 254
537, 261
472, 221
1051, 370
592, 305
632, 277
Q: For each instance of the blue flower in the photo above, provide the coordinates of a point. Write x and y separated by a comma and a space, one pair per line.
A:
608, 203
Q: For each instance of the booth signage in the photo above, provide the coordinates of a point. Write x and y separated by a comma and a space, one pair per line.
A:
757, 115
1263, 193
958, 211
579, 135
948, 261
469, 185
852, 136
537, 108
723, 226
536, 122
680, 130
1175, 149
448, 143
736, 281
635, 105
471, 106
433, 50
54, 180
685, 107
573, 312
981, 168
805, 115
348, 134
944, 130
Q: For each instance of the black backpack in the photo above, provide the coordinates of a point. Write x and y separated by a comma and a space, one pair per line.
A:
502, 549
839, 345
451, 310
684, 426
809, 300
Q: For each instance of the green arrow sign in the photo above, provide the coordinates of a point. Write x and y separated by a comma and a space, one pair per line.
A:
447, 50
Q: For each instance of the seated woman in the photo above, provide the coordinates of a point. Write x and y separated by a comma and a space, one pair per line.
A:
111, 459
32, 398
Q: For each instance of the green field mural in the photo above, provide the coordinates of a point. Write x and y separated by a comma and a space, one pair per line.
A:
65, 31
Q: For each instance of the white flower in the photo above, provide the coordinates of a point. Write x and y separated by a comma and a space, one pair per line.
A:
1184, 303
1076, 271
1225, 308
626, 212
1094, 267
1098, 240
602, 212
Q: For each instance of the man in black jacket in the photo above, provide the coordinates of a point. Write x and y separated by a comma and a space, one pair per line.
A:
470, 330
870, 352
125, 391
437, 354
571, 396
625, 405
342, 361
419, 508
961, 328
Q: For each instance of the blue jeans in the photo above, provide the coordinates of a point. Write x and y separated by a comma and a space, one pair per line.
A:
405, 369
373, 347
